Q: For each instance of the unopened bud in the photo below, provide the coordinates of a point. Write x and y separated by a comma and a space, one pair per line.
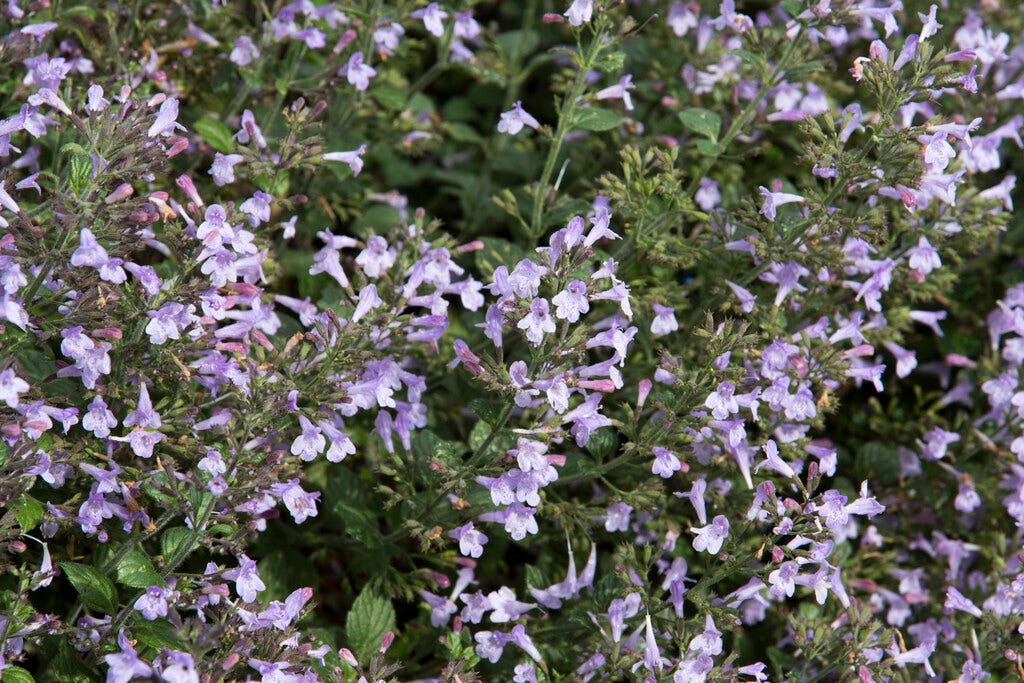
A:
552, 18
122, 191
389, 638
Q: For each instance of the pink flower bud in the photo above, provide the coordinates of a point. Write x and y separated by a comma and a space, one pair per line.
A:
178, 145
556, 460
230, 662
603, 385
107, 333
189, 188
389, 638
551, 18
346, 656
643, 391
122, 191
777, 554
156, 100
475, 245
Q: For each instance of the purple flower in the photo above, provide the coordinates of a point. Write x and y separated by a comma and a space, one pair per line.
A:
246, 578
358, 73
354, 158
579, 12
466, 27
616, 518
376, 258
152, 603
513, 120
665, 462
301, 504
244, 51
505, 606
773, 200
166, 119
491, 644
143, 415
310, 443
571, 301
537, 322
10, 386
125, 665
250, 131
471, 540
664, 320
782, 580
432, 16
710, 538
709, 642
89, 252
99, 420
619, 91
923, 258
223, 168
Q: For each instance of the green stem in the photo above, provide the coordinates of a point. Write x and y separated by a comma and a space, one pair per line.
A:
740, 122
565, 123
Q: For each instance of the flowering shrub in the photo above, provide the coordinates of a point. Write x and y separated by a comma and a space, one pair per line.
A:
654, 341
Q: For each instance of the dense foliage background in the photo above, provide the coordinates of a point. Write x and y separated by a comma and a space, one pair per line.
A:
529, 341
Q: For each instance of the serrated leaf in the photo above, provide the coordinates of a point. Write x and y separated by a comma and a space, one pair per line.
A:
487, 409
173, 541
79, 172
370, 618
28, 511
15, 674
158, 634
136, 571
596, 120
612, 63
701, 121
216, 134
96, 590
345, 497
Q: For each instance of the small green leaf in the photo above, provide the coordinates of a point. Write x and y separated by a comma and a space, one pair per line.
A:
460, 132
487, 409
216, 134
15, 674
79, 172
174, 541
136, 570
96, 590
596, 119
370, 618
793, 7
389, 97
612, 63
603, 443
709, 148
701, 121
28, 511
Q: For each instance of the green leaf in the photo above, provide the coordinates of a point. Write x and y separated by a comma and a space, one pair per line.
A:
96, 590
487, 409
216, 134
28, 511
345, 497
701, 121
389, 97
370, 618
15, 674
460, 132
158, 634
136, 571
793, 7
709, 148
612, 63
596, 119
603, 443
174, 540
79, 172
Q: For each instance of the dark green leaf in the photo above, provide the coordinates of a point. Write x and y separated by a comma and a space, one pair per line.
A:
701, 121
136, 570
158, 634
389, 97
596, 119
216, 134
487, 409
370, 618
460, 132
79, 172
15, 674
95, 589
603, 443
28, 511
175, 541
